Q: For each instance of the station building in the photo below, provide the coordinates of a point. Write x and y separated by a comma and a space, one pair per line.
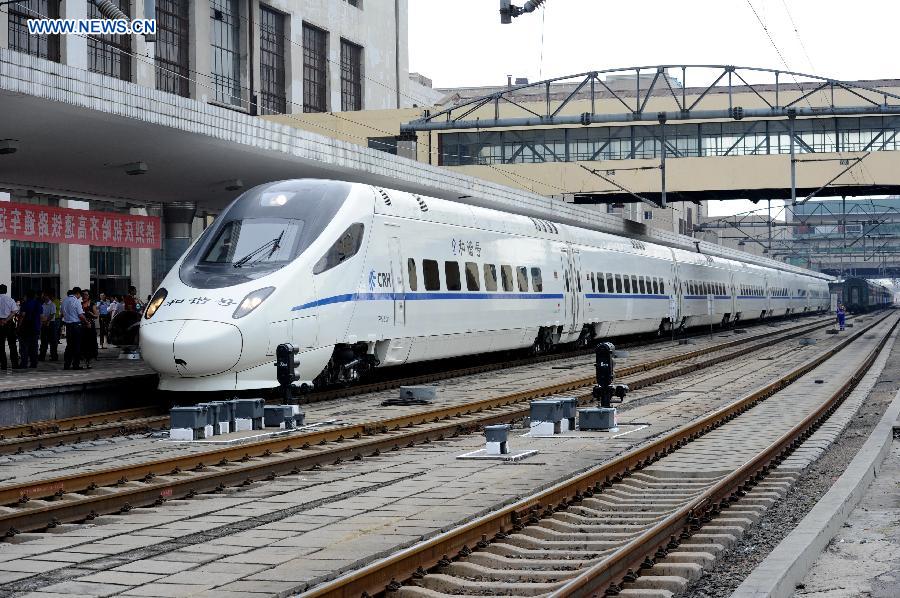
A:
248, 57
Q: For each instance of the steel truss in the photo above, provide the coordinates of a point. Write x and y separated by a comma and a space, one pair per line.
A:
792, 100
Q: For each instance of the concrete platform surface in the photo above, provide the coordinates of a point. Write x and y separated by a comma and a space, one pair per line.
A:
863, 559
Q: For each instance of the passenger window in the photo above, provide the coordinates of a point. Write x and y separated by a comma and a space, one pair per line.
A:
537, 282
522, 276
472, 282
344, 248
506, 275
619, 283
451, 275
578, 282
627, 284
601, 288
593, 285
411, 276
609, 283
634, 285
490, 277
431, 275
662, 286
655, 286
642, 286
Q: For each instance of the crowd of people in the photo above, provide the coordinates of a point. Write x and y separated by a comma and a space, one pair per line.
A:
34, 325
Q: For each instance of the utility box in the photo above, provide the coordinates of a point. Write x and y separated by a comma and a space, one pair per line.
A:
212, 418
546, 417
248, 414
569, 411
423, 394
597, 418
279, 416
497, 438
188, 423
225, 420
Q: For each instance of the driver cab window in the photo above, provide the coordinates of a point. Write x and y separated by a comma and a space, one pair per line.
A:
344, 248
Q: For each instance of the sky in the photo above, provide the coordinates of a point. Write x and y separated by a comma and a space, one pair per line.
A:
462, 43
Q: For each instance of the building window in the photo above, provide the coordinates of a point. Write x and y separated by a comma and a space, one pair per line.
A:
314, 70
351, 76
172, 62
34, 266
272, 98
109, 55
648, 214
226, 50
43, 46
110, 270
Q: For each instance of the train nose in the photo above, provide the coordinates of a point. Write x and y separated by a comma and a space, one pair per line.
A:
191, 348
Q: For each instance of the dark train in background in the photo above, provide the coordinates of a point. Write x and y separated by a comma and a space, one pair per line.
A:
861, 295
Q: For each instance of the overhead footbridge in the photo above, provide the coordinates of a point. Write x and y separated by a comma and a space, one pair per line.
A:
675, 133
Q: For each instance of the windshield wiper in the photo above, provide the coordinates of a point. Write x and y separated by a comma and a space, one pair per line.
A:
274, 244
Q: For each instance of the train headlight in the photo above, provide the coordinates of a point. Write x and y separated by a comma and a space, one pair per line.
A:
251, 302
158, 297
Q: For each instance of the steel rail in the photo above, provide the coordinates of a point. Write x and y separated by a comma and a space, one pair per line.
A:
631, 558
53, 426
39, 504
415, 561
11, 493
46, 433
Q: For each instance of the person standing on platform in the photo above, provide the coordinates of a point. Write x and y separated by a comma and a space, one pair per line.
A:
74, 320
89, 334
49, 338
841, 316
58, 322
114, 307
130, 299
104, 318
8, 310
30, 329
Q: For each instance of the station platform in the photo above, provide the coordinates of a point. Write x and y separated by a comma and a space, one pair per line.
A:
50, 392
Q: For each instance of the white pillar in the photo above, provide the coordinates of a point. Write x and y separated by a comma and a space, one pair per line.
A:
293, 60
200, 52
4, 27
5, 254
144, 69
73, 48
142, 264
74, 260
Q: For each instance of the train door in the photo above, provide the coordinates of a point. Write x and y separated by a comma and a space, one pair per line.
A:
398, 287
676, 307
572, 289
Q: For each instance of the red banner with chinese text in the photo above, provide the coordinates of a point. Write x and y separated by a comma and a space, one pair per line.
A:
26, 222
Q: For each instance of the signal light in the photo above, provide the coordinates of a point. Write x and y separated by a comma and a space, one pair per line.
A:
286, 363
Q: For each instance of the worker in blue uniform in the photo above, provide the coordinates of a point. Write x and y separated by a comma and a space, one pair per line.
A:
841, 316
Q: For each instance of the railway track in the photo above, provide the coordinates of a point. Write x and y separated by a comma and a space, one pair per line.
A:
643, 524
83, 496
49, 433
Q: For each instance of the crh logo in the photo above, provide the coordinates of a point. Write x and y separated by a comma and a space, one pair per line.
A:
382, 280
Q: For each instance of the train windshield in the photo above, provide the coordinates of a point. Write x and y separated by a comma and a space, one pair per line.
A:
262, 231
255, 241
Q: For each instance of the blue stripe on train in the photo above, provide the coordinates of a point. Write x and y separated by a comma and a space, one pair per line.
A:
623, 296
421, 297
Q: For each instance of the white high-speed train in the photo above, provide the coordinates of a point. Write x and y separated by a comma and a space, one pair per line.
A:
359, 277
